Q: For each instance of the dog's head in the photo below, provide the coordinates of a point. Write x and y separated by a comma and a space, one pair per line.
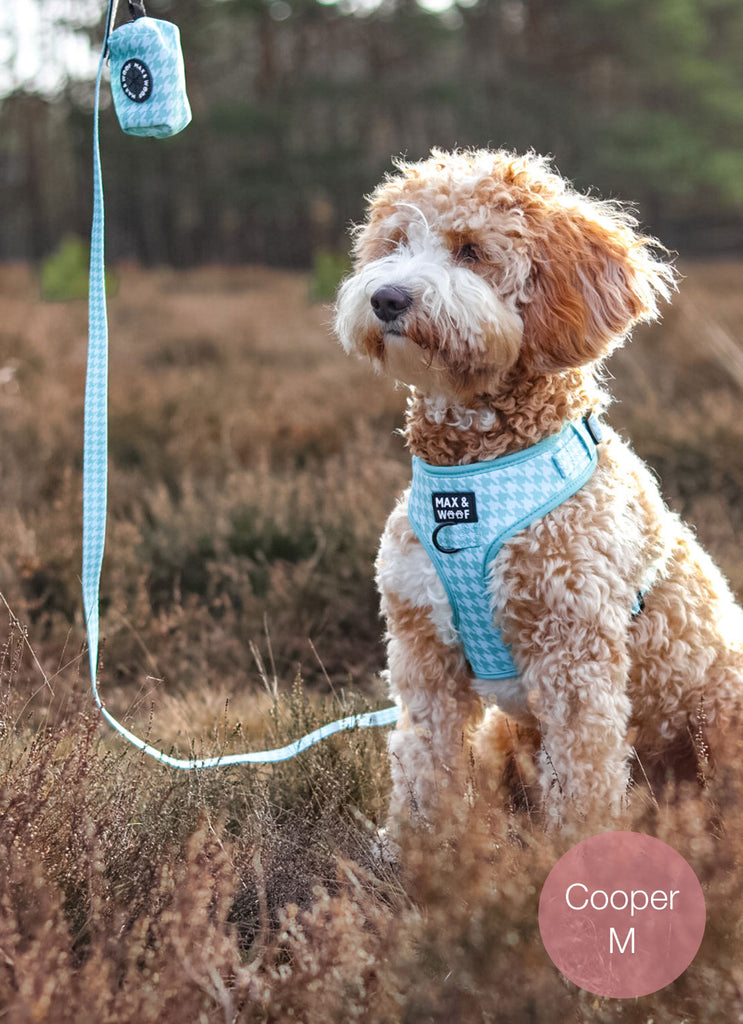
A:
472, 265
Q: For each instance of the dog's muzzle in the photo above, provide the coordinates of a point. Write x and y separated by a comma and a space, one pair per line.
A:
390, 302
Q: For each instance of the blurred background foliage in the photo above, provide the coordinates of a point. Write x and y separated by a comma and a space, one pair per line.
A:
299, 104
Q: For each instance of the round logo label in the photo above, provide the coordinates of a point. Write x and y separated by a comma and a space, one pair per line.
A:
622, 914
136, 80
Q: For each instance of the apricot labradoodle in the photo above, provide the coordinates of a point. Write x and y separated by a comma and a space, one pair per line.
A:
533, 565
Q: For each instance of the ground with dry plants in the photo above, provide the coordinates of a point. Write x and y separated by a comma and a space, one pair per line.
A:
252, 467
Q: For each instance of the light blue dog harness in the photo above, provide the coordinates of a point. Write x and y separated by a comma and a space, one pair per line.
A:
463, 515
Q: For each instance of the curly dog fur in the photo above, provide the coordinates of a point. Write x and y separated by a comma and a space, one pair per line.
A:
493, 289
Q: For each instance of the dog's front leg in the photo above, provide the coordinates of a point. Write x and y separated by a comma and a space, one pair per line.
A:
428, 674
429, 750
564, 587
577, 692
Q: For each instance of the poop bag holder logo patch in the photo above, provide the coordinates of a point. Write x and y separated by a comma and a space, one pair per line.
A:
148, 79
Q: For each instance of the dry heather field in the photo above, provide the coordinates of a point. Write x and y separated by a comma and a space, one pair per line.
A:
252, 467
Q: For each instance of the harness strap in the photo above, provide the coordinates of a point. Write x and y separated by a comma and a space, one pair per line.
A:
463, 515
95, 488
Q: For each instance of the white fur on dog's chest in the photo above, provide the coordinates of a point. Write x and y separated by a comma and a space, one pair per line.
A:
509, 694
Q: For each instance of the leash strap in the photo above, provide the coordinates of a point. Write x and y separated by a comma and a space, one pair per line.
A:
95, 487
95, 439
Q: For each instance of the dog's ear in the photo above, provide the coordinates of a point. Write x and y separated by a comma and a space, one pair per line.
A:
593, 277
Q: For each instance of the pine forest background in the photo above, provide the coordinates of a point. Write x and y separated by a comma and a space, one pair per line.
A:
298, 106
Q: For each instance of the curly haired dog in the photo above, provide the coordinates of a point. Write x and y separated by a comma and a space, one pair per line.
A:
489, 285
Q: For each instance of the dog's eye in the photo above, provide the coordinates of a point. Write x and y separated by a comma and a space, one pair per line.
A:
467, 253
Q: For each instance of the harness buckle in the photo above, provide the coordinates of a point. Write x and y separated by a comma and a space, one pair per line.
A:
593, 426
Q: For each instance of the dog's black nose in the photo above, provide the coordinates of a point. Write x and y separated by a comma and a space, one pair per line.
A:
390, 302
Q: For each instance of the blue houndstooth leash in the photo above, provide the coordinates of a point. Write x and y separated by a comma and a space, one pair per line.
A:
148, 85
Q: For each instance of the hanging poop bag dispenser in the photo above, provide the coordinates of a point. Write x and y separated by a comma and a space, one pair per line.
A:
148, 79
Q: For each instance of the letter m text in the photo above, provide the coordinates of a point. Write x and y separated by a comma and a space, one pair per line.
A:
628, 940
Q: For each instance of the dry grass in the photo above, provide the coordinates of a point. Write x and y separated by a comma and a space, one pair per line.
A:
252, 469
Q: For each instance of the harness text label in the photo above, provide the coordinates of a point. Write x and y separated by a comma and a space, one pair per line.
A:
454, 507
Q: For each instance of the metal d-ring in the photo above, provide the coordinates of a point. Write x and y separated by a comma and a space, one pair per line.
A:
434, 538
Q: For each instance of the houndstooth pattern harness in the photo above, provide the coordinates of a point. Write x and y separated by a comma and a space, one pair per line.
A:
463, 515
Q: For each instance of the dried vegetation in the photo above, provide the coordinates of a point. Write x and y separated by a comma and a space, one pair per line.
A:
252, 469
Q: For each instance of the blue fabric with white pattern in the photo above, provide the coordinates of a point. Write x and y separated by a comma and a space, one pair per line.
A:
157, 45
506, 495
95, 442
